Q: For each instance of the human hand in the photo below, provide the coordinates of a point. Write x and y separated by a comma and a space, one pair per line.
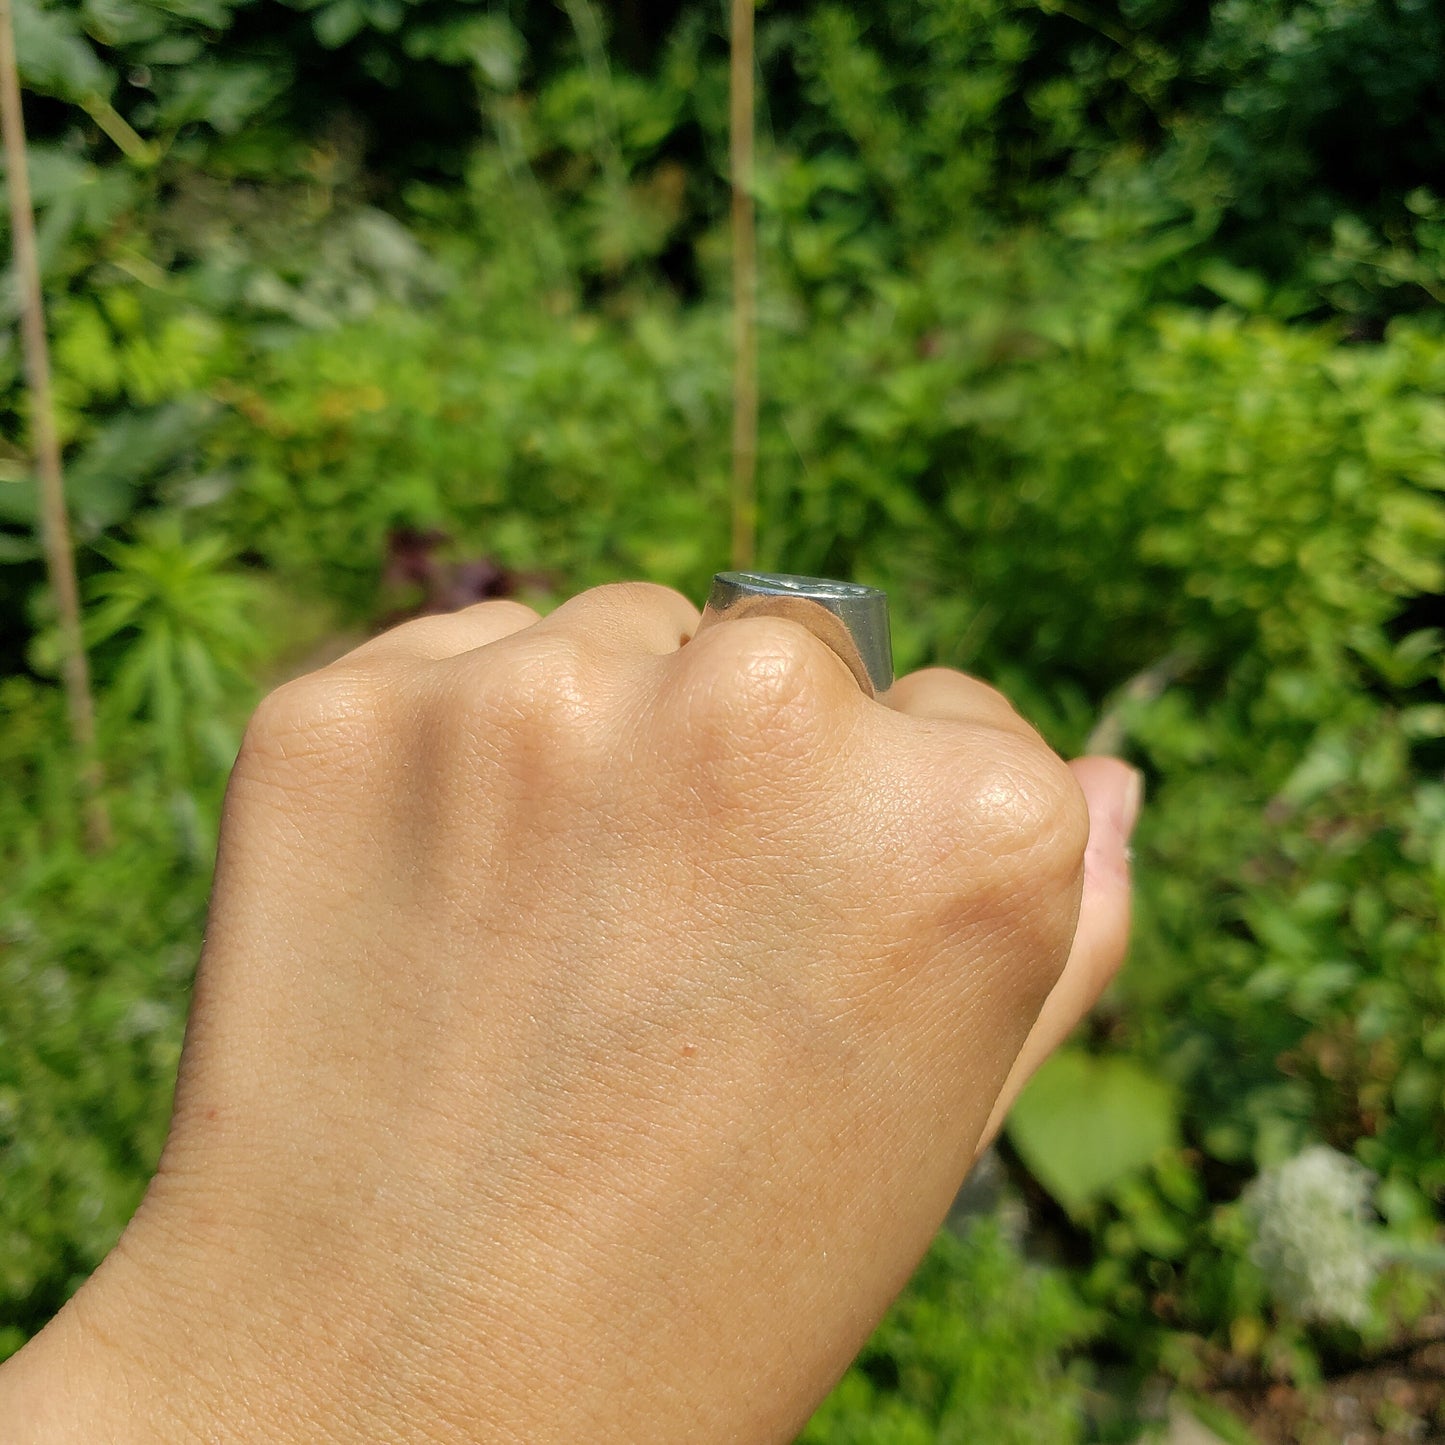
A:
590, 1034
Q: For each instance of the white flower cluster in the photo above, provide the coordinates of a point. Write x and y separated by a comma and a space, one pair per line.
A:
1314, 1238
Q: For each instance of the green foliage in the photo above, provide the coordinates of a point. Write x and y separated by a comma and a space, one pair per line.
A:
1085, 1125
973, 1352
544, 437
87, 953
183, 633
95, 962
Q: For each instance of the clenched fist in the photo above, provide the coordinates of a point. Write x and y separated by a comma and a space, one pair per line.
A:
592, 1028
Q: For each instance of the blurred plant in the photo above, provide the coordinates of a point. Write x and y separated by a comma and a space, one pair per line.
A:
976, 1350
1314, 1239
179, 631
420, 578
54, 514
1061, 486
96, 954
1086, 1126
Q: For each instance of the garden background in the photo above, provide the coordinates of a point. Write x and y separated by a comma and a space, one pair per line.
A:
1106, 334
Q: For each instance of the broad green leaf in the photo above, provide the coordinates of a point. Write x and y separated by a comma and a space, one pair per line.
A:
17, 548
103, 481
123, 22
213, 14
20, 501
338, 22
1085, 1124
223, 96
55, 173
1245, 289
54, 56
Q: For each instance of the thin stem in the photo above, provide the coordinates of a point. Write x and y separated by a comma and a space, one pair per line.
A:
1111, 731
54, 522
745, 291
115, 125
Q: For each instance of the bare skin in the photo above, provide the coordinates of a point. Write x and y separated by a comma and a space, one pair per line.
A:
590, 1034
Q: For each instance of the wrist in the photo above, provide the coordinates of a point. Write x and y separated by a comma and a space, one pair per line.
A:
187, 1333
128, 1360
84, 1377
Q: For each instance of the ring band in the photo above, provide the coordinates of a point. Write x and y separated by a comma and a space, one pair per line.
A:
848, 617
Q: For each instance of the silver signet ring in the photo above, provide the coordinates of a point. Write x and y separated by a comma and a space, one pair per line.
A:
850, 618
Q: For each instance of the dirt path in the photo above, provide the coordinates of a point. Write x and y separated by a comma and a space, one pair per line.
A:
1399, 1403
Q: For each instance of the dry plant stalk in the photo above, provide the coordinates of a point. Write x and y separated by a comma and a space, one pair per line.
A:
745, 291
54, 522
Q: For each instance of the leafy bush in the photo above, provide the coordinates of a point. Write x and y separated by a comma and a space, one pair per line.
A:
547, 440
182, 632
96, 956
973, 1352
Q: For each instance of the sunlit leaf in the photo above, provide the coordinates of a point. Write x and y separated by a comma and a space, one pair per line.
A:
1087, 1123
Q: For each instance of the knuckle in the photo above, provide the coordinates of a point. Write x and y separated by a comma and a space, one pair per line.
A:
1027, 793
933, 681
1064, 830
997, 710
533, 692
498, 618
538, 678
754, 715
312, 717
624, 606
506, 608
628, 595
764, 672
1044, 833
1006, 861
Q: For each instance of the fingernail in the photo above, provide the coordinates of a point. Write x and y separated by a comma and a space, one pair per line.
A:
1130, 801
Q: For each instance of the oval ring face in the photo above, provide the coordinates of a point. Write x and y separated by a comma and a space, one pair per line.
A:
849, 617
818, 588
